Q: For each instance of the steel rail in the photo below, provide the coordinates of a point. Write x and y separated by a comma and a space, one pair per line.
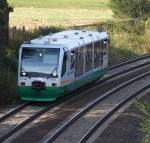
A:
123, 72
35, 116
91, 105
14, 111
145, 56
115, 109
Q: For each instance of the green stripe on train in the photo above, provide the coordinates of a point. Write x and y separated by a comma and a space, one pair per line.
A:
52, 93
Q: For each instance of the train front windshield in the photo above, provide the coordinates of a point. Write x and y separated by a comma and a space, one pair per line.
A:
39, 62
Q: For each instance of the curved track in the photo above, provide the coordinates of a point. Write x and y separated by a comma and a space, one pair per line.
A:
22, 106
109, 114
65, 135
143, 62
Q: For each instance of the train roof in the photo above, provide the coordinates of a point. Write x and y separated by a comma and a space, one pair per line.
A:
71, 38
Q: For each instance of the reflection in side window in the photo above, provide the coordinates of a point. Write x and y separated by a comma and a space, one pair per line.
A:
97, 54
88, 57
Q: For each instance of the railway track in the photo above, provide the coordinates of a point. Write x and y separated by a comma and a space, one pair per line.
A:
14, 111
32, 112
108, 115
129, 61
21, 106
141, 62
70, 132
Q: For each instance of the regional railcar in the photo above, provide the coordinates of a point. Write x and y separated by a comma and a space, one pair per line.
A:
56, 64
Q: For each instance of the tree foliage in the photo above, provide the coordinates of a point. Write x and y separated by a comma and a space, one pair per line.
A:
5, 9
130, 8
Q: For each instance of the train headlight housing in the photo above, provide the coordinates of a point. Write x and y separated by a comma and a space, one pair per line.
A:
23, 73
54, 84
22, 83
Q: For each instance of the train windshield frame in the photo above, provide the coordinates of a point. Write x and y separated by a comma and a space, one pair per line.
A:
39, 62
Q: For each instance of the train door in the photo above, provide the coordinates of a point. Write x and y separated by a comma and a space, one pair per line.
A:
68, 70
64, 70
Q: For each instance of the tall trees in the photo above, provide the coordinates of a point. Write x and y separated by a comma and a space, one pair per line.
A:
130, 8
5, 9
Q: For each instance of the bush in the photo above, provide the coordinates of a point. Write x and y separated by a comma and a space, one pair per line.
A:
8, 74
130, 8
145, 125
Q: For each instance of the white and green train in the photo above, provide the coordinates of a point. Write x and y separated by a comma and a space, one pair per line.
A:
59, 63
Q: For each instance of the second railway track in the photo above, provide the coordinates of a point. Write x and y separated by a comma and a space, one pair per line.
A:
82, 125
132, 65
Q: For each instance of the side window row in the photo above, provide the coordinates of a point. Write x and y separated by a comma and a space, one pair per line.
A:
77, 58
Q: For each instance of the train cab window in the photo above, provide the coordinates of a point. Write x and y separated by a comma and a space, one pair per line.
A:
64, 64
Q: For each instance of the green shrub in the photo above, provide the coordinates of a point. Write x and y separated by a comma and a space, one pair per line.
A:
144, 107
130, 8
117, 55
8, 74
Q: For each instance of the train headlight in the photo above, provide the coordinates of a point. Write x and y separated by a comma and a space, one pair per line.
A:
40, 54
24, 73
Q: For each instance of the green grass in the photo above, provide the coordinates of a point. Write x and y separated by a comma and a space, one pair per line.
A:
85, 4
144, 108
34, 17
34, 13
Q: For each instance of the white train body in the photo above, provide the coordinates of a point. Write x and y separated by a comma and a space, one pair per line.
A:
55, 64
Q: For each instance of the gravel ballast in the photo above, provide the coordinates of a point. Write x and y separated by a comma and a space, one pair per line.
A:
126, 128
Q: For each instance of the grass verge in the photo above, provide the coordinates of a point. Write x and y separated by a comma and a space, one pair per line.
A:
34, 13
67, 4
144, 107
